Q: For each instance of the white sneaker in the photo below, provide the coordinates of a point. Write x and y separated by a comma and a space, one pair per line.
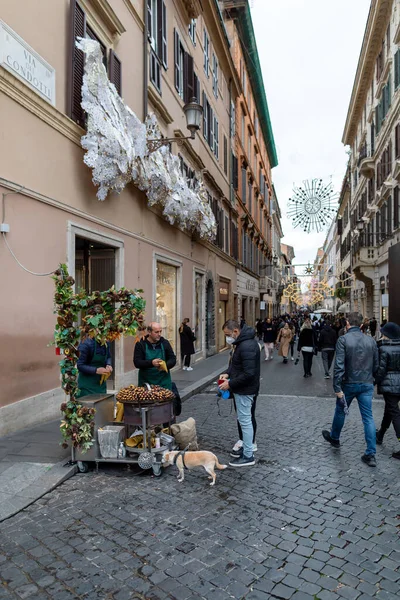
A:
238, 445
292, 358
184, 368
189, 369
255, 447
266, 358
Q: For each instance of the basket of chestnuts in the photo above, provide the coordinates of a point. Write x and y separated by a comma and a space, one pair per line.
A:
157, 401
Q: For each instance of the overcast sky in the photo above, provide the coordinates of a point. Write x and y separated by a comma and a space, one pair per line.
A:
309, 52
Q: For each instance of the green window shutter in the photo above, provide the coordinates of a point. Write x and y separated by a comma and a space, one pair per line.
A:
389, 92
378, 124
396, 69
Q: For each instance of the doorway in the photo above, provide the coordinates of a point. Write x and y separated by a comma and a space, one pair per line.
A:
210, 316
95, 270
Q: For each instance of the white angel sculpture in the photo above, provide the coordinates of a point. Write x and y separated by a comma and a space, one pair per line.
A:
117, 152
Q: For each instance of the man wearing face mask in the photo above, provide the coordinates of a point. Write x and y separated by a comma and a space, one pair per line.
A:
243, 379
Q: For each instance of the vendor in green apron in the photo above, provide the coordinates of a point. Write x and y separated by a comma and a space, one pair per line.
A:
148, 354
93, 362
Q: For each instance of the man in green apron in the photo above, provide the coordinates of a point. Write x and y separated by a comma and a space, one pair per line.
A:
94, 361
148, 354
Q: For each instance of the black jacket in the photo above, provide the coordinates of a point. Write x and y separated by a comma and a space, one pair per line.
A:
244, 368
269, 332
356, 359
388, 375
307, 337
327, 337
187, 339
139, 354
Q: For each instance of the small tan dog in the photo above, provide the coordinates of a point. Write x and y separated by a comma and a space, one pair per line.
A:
205, 459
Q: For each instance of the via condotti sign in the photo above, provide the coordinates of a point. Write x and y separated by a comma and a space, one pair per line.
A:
22, 61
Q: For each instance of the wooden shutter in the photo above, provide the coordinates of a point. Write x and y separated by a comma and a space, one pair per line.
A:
396, 207
389, 211
210, 133
216, 137
196, 87
78, 29
188, 78
160, 29
235, 173
115, 71
205, 120
176, 60
225, 155
149, 18
244, 185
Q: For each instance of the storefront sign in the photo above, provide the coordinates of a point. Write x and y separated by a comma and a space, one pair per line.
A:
224, 294
385, 300
262, 305
23, 62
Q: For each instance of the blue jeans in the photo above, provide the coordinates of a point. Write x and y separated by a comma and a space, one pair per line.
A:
243, 409
363, 392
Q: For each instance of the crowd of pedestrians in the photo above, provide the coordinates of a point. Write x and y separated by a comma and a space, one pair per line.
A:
362, 354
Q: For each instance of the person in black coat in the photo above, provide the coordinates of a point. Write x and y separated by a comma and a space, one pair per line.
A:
243, 379
187, 344
269, 337
306, 345
148, 355
327, 342
388, 380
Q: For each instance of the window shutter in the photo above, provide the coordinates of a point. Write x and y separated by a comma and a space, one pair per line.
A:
164, 35
196, 87
235, 172
244, 185
396, 207
216, 137
377, 124
115, 72
205, 120
396, 68
389, 215
188, 78
210, 133
77, 113
149, 18
225, 155
176, 60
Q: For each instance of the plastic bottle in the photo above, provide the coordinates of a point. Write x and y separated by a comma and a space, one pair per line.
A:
122, 450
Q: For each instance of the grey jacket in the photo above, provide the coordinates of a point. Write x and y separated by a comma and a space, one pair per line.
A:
356, 359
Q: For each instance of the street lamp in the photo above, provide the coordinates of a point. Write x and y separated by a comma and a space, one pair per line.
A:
360, 226
193, 113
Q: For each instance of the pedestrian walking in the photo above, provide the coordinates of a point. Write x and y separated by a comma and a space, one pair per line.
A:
284, 338
259, 328
356, 364
307, 345
243, 379
292, 328
187, 344
237, 449
269, 337
327, 343
388, 380
365, 326
373, 324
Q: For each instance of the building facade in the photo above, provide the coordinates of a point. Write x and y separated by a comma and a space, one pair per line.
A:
254, 157
159, 55
372, 131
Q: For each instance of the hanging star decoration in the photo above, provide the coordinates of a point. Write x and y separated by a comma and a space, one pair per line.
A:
309, 270
312, 206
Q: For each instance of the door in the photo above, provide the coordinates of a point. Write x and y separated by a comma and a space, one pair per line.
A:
209, 315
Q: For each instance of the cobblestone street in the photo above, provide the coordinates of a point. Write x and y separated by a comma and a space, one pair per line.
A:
307, 522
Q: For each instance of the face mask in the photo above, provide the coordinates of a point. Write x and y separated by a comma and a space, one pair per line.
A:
230, 340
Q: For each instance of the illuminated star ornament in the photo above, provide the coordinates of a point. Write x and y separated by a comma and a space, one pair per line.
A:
309, 270
311, 206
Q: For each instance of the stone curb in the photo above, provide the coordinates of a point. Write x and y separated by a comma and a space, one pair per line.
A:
196, 388
55, 476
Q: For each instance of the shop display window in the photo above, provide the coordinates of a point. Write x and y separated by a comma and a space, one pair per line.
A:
166, 301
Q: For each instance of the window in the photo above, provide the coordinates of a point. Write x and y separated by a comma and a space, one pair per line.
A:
192, 31
157, 25
227, 247
396, 198
244, 184
80, 28
397, 141
382, 108
250, 184
215, 75
244, 81
249, 145
166, 303
179, 60
210, 126
206, 50
225, 155
232, 120
243, 129
397, 69
235, 172
234, 240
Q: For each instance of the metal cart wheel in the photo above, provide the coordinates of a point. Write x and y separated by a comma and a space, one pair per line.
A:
157, 469
83, 467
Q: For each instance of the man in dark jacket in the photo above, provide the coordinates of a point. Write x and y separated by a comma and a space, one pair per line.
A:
356, 364
327, 343
269, 336
243, 379
149, 355
388, 380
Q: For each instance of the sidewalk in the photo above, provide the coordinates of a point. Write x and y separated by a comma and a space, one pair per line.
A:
32, 460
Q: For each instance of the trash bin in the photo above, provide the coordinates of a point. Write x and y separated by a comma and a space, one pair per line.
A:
110, 436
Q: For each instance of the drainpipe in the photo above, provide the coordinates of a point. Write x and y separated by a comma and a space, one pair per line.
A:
145, 63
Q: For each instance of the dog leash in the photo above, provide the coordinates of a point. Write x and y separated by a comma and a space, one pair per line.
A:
182, 453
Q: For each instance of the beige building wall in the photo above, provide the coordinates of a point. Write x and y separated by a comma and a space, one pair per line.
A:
51, 205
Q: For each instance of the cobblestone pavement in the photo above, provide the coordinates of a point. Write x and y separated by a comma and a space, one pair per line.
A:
307, 522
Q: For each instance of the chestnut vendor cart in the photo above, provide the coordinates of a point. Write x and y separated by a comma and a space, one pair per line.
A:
135, 415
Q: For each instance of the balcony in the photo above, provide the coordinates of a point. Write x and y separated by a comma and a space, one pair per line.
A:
366, 163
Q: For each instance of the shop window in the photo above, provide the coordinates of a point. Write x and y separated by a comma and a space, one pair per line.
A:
166, 300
